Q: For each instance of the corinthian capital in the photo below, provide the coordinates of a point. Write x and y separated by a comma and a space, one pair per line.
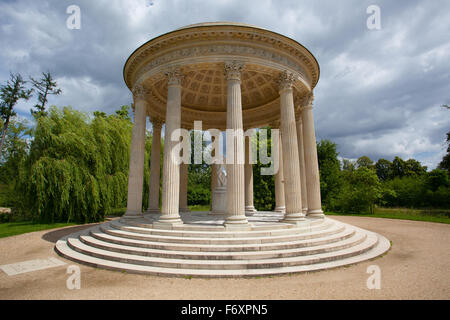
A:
286, 80
233, 70
157, 123
307, 101
140, 92
174, 75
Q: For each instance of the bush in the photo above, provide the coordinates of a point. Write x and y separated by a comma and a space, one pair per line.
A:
198, 195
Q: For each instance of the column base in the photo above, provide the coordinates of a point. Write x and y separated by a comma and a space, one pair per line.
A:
281, 209
294, 218
131, 214
216, 213
250, 210
153, 211
167, 221
318, 213
237, 223
305, 211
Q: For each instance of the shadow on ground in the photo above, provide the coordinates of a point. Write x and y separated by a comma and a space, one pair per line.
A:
55, 235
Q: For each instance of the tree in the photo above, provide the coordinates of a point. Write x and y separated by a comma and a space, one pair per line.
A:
445, 163
414, 168
365, 162
263, 185
124, 112
436, 179
383, 169
77, 169
360, 191
397, 168
100, 114
348, 165
10, 94
329, 169
45, 86
15, 148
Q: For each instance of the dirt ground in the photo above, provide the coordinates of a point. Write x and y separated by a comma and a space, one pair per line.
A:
416, 267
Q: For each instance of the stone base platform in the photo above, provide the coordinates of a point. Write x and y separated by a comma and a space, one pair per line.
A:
201, 247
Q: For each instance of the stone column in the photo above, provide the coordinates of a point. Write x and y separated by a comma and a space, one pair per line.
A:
153, 194
171, 169
291, 165
235, 172
184, 187
213, 182
311, 162
248, 168
279, 183
301, 156
137, 154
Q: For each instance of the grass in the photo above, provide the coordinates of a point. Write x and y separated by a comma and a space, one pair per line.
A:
430, 215
14, 228
8, 229
200, 207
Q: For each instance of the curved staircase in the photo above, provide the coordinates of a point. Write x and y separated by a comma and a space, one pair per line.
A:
201, 247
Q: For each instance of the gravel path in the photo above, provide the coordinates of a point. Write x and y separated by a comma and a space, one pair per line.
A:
416, 267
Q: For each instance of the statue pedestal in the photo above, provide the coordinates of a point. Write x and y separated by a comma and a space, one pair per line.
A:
219, 201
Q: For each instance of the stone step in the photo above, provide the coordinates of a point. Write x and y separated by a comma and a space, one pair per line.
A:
275, 252
347, 257
336, 228
221, 234
356, 244
327, 244
333, 236
147, 222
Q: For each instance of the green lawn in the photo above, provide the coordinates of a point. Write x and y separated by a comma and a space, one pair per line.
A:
14, 228
431, 215
200, 207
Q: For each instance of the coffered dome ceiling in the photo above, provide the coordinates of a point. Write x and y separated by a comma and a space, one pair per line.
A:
201, 50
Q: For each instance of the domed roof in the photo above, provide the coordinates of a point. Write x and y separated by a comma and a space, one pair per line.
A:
200, 51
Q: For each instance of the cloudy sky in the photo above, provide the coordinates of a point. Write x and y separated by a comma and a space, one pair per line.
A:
379, 93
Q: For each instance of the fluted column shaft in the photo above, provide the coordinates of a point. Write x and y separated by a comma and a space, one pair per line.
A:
248, 168
137, 154
183, 187
311, 163
291, 167
155, 168
235, 170
213, 182
301, 156
279, 182
171, 169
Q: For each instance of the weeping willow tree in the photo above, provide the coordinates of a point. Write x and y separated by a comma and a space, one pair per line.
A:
77, 168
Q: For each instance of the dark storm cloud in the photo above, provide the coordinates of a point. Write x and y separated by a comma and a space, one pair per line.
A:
379, 94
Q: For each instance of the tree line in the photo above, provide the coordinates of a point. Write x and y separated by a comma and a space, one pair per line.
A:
358, 186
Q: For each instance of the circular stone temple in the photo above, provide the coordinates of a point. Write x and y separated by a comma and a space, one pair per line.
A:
229, 76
